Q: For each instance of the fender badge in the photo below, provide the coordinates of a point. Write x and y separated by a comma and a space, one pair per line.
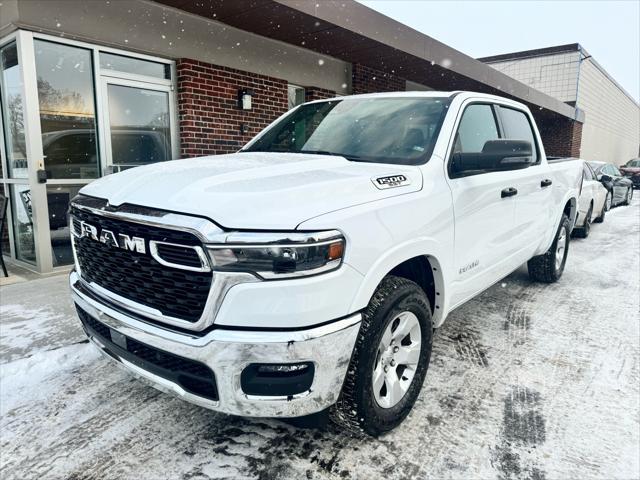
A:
390, 181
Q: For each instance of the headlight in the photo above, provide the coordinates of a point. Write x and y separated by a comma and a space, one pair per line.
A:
279, 255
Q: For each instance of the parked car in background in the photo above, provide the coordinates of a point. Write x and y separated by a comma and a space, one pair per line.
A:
594, 201
631, 169
619, 186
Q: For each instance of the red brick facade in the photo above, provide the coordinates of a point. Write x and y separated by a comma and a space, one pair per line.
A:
209, 118
315, 93
211, 122
561, 138
369, 80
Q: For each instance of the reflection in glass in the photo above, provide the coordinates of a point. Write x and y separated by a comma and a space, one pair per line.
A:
120, 63
58, 197
140, 128
13, 112
22, 215
67, 110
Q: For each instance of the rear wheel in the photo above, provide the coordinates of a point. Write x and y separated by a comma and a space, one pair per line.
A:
389, 361
600, 218
548, 268
583, 232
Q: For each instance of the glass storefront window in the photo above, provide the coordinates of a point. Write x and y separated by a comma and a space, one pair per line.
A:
121, 63
140, 126
22, 214
13, 112
67, 110
58, 197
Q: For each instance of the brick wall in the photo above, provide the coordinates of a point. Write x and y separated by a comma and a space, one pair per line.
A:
316, 93
369, 80
561, 137
209, 117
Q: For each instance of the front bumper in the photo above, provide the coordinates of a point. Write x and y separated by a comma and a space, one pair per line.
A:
228, 352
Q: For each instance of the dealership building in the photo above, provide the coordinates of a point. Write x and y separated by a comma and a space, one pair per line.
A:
611, 127
90, 88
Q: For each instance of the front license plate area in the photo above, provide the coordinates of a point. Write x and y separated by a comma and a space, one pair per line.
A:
118, 338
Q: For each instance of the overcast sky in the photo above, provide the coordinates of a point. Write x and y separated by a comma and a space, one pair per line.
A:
608, 30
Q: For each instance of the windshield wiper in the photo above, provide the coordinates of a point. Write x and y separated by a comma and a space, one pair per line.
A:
353, 158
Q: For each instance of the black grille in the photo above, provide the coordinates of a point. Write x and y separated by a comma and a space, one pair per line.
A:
194, 377
174, 292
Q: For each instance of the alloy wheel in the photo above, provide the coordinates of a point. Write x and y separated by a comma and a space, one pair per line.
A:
397, 359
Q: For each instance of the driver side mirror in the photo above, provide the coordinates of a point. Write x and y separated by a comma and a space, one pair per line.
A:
496, 156
604, 178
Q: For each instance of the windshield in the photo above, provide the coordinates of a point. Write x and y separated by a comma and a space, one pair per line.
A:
385, 130
634, 163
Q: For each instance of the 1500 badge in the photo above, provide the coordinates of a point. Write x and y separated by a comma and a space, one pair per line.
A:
390, 181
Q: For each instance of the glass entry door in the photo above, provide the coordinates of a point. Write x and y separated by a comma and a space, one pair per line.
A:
138, 119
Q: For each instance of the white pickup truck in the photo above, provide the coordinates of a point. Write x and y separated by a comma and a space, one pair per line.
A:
307, 272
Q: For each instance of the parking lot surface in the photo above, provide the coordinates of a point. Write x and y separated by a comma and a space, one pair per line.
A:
526, 381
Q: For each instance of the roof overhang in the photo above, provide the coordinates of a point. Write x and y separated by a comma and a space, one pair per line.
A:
352, 32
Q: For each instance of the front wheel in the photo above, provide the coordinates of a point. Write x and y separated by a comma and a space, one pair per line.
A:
548, 267
389, 361
629, 196
608, 203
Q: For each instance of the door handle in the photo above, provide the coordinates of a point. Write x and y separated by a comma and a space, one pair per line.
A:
545, 183
508, 192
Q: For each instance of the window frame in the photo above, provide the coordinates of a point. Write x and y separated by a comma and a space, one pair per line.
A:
531, 126
452, 140
495, 107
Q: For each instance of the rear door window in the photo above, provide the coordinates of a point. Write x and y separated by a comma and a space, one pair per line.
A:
516, 126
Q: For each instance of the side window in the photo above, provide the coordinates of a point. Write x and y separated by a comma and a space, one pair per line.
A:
517, 127
477, 126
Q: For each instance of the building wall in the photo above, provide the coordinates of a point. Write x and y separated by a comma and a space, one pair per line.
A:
369, 80
210, 121
611, 131
555, 75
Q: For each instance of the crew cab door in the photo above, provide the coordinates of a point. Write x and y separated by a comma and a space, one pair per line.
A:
534, 200
484, 209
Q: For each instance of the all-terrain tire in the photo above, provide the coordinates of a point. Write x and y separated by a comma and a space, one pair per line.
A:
357, 409
544, 268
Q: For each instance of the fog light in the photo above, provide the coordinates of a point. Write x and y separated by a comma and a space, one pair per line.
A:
277, 379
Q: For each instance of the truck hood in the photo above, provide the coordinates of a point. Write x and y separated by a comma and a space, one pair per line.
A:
254, 190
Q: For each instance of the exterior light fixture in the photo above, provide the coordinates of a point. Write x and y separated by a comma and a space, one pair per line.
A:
245, 96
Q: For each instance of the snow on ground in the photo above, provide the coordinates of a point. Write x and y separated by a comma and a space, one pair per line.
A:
527, 381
